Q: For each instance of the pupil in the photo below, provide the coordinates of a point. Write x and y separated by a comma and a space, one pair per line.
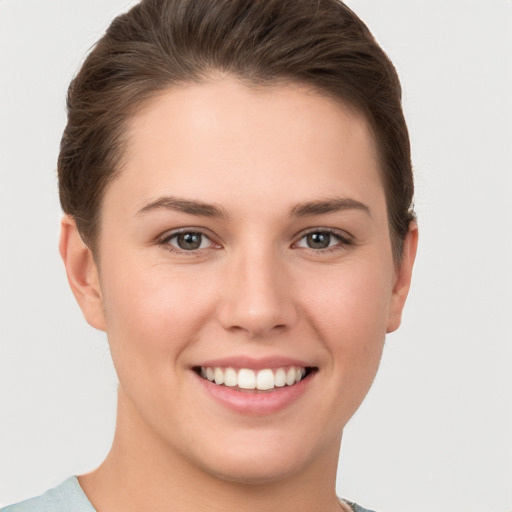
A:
189, 241
319, 240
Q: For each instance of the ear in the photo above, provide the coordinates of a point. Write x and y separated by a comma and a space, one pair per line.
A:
403, 278
82, 273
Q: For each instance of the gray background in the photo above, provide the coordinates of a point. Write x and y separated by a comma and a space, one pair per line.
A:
435, 433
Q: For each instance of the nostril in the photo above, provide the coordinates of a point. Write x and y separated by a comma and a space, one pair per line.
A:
256, 326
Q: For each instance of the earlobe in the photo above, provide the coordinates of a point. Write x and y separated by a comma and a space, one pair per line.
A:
82, 273
403, 278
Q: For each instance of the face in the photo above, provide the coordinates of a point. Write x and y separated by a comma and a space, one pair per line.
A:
246, 279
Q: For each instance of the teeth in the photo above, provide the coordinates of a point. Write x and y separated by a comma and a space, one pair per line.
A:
280, 378
265, 379
219, 376
246, 379
290, 376
230, 377
249, 379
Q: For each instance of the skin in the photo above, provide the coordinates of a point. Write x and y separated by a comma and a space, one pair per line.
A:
254, 288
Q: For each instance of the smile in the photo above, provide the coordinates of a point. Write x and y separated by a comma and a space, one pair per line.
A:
247, 379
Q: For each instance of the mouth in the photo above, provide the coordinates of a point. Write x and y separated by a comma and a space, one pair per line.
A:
255, 381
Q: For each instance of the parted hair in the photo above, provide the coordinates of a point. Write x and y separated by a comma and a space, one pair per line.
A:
160, 44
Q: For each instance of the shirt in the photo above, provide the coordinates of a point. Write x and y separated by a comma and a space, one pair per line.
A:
69, 497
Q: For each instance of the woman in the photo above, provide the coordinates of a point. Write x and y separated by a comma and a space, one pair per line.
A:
237, 189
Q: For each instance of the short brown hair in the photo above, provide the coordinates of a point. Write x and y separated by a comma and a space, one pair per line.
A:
159, 44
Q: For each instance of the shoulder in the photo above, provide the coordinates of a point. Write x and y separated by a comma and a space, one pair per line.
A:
67, 497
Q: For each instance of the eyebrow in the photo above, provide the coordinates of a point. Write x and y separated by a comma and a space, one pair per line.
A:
189, 206
329, 206
203, 209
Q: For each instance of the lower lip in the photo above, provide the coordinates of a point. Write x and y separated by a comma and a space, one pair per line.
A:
254, 402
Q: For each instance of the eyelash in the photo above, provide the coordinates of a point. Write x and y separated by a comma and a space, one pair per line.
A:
342, 240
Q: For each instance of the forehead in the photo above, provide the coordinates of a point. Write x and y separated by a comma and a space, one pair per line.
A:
223, 134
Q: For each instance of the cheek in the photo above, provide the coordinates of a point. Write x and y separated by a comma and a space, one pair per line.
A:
152, 319
349, 308
152, 312
356, 298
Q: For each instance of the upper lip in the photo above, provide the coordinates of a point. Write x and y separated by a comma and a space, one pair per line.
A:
254, 363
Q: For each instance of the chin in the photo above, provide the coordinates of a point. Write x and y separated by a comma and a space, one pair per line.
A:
255, 472
262, 461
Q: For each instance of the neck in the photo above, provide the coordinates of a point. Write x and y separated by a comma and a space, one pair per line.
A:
147, 475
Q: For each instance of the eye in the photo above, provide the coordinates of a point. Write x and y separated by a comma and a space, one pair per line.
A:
322, 239
188, 241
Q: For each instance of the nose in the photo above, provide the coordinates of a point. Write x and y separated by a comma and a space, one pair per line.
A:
258, 296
